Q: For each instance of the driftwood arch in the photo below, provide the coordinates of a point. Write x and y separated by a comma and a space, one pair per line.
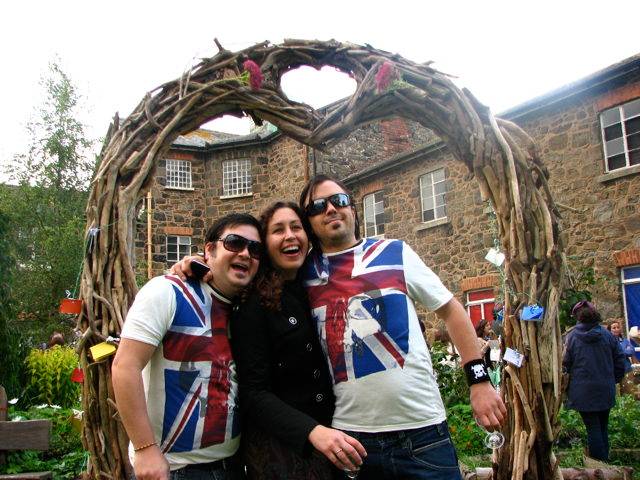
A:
502, 156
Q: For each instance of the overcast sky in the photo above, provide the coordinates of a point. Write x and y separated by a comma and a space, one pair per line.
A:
505, 52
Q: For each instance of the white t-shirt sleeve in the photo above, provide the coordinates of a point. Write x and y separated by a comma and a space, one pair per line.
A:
151, 314
423, 285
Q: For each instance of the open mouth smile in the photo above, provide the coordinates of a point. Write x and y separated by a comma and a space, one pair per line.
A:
292, 250
240, 267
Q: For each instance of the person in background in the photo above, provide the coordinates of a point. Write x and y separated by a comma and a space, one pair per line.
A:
484, 334
174, 376
594, 362
57, 338
615, 327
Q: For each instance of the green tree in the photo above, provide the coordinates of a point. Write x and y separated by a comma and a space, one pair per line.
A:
12, 347
47, 202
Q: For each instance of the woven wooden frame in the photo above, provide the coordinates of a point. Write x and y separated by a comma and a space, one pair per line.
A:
502, 156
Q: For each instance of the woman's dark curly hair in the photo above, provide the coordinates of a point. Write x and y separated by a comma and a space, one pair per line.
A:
268, 281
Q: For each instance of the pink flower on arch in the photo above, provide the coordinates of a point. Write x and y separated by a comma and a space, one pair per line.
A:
255, 75
385, 76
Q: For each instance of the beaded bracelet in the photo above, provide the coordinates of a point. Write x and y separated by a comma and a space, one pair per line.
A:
145, 446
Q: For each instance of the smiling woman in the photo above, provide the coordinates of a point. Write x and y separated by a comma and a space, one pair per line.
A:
502, 157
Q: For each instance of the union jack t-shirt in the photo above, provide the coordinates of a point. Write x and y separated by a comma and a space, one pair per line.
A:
190, 382
362, 301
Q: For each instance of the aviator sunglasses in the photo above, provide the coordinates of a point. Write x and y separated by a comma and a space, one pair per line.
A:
237, 243
319, 205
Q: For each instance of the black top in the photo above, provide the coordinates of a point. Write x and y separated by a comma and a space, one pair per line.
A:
594, 361
285, 387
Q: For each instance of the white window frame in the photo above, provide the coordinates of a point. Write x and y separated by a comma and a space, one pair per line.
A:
624, 283
622, 119
178, 174
481, 302
236, 178
369, 206
429, 177
182, 241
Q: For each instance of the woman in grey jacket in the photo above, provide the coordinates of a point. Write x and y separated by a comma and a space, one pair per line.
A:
595, 363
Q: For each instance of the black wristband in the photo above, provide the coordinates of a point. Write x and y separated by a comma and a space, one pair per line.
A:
476, 372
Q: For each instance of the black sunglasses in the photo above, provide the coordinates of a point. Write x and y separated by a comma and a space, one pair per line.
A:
319, 205
237, 243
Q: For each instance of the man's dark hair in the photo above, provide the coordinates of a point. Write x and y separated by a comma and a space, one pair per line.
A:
308, 190
587, 314
231, 220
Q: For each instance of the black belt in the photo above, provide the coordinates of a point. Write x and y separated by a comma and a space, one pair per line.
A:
222, 464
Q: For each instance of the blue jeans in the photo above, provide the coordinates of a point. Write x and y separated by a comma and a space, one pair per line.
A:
597, 424
423, 454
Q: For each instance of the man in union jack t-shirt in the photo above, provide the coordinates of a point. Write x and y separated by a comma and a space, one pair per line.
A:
362, 294
173, 375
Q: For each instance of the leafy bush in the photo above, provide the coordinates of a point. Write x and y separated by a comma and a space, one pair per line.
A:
624, 424
49, 373
467, 436
451, 379
66, 457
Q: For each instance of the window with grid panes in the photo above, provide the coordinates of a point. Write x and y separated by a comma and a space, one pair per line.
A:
480, 304
177, 247
178, 174
373, 214
433, 195
236, 177
621, 135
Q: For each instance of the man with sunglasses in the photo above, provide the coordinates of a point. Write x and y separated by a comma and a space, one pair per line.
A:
362, 294
173, 376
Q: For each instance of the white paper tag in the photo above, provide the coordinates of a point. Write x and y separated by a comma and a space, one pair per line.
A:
494, 354
514, 357
494, 256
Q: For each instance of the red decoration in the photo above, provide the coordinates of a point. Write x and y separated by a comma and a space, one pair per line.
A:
255, 75
70, 306
77, 375
385, 76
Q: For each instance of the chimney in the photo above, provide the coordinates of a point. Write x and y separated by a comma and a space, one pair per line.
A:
396, 136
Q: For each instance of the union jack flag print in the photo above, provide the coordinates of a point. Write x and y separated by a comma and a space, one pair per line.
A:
199, 399
359, 301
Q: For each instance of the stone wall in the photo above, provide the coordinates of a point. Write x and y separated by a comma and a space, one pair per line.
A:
602, 215
279, 170
370, 145
453, 248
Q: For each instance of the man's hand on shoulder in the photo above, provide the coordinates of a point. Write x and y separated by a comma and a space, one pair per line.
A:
151, 464
488, 408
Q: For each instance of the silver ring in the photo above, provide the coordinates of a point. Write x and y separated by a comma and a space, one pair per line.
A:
337, 452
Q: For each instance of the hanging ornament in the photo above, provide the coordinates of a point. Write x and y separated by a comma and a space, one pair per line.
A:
70, 306
532, 313
77, 375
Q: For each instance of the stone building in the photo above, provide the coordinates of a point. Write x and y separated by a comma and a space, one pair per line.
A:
408, 186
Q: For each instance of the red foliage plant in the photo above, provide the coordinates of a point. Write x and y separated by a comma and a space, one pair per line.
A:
255, 75
385, 76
